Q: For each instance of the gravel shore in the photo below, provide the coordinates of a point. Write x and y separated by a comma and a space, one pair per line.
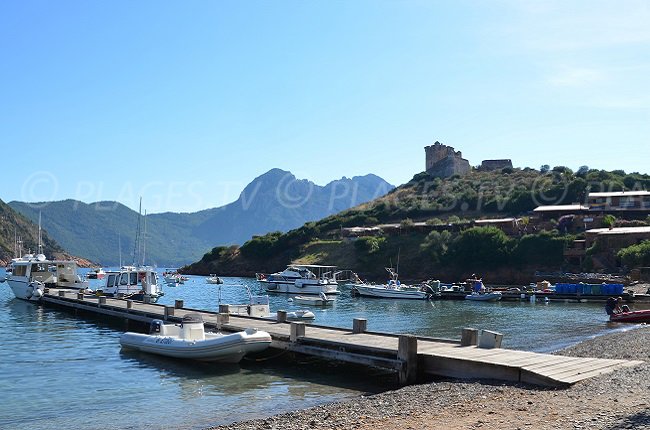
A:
619, 400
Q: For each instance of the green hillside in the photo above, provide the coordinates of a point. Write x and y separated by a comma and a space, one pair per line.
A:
444, 252
12, 225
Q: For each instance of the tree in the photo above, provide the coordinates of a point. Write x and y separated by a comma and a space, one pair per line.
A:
481, 247
582, 171
609, 221
436, 244
636, 255
545, 168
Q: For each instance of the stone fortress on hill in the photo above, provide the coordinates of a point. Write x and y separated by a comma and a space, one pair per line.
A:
443, 161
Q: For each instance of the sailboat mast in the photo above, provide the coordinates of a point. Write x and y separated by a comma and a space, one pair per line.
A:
144, 237
40, 243
119, 246
136, 243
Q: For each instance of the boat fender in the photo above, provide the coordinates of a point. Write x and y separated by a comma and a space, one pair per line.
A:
29, 292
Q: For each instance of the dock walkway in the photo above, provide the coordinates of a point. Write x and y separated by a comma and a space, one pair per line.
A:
408, 355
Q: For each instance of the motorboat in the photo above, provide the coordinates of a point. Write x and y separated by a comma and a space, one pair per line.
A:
491, 296
642, 316
320, 300
138, 283
393, 289
301, 279
96, 274
258, 307
189, 340
31, 274
213, 279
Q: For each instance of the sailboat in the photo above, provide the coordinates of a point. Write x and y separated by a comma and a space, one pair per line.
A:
138, 281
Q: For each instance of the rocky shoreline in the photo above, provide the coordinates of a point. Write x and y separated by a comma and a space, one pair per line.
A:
619, 400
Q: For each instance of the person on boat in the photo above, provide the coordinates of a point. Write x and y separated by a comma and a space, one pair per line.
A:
610, 306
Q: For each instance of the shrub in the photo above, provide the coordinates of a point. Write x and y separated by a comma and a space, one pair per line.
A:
636, 255
369, 245
481, 247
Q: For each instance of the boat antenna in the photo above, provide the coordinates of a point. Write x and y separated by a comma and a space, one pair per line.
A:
136, 243
397, 268
144, 237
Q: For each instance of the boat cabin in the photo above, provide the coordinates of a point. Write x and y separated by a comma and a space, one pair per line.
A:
50, 273
131, 280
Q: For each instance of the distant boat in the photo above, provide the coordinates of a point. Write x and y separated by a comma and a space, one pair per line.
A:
393, 289
484, 297
213, 279
321, 300
96, 274
189, 340
258, 306
301, 279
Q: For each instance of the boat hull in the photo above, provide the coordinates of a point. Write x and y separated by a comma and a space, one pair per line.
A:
631, 317
313, 301
229, 348
390, 293
24, 290
487, 297
300, 287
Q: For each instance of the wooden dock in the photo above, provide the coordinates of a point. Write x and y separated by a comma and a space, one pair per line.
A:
408, 355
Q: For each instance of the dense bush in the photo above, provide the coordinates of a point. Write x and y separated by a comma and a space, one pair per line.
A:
636, 255
261, 246
545, 248
482, 247
369, 245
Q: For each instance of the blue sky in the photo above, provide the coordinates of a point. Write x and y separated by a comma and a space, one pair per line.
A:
184, 103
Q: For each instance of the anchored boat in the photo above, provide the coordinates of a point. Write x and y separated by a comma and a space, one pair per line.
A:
393, 289
133, 282
189, 340
301, 279
321, 300
30, 275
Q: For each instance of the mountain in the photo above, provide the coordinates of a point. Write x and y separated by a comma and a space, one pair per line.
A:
274, 201
14, 226
431, 224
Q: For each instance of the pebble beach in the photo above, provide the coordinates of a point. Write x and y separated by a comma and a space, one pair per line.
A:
619, 400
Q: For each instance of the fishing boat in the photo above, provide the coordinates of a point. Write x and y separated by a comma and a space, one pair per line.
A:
301, 279
189, 340
137, 283
393, 289
31, 274
642, 316
213, 279
321, 300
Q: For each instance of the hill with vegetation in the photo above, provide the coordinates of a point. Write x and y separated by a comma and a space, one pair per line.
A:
14, 227
452, 247
276, 200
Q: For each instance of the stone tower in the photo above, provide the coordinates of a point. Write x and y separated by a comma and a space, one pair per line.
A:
443, 161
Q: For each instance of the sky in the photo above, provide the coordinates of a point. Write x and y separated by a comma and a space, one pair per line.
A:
184, 103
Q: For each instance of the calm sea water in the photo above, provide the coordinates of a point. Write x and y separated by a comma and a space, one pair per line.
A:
59, 371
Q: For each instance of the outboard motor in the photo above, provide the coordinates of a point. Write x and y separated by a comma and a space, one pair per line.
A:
155, 327
192, 327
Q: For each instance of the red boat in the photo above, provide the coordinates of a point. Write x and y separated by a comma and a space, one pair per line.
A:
631, 317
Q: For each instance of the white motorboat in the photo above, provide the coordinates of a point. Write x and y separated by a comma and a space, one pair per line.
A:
259, 307
30, 275
484, 297
96, 274
393, 289
213, 279
321, 300
132, 282
189, 340
301, 279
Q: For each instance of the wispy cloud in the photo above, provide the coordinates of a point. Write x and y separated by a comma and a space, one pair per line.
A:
569, 76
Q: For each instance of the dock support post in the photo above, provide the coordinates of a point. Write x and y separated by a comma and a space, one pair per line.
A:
469, 336
224, 309
222, 319
282, 316
169, 312
490, 339
101, 300
120, 295
80, 296
178, 304
407, 352
129, 304
46, 291
359, 325
297, 331
61, 293
146, 299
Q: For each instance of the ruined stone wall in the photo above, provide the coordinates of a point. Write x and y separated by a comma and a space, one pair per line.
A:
443, 161
495, 164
